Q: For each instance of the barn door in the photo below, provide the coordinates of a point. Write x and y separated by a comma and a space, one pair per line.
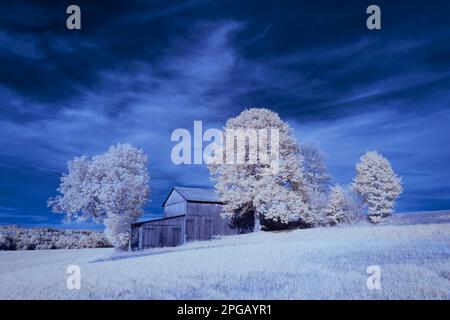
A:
148, 237
162, 236
190, 229
199, 228
175, 236
208, 229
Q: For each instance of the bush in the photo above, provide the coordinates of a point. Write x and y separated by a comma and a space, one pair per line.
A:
7, 243
18, 238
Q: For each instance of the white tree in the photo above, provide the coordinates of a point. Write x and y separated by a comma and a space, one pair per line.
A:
315, 168
336, 210
317, 180
377, 185
110, 188
354, 206
245, 188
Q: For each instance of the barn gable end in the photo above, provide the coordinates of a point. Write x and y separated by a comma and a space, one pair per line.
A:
174, 205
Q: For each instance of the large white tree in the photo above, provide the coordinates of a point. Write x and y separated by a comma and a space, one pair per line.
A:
254, 187
377, 185
111, 188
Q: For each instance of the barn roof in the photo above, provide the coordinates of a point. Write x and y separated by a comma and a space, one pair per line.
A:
141, 222
196, 194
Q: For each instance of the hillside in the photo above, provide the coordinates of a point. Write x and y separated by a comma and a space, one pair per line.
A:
322, 263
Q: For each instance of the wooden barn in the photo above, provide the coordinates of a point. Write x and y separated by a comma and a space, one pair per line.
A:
189, 214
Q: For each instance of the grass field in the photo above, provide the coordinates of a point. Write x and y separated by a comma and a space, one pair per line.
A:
322, 263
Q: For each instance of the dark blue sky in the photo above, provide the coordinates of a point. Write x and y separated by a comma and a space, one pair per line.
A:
140, 69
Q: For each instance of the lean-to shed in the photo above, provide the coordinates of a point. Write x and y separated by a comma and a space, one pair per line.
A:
189, 214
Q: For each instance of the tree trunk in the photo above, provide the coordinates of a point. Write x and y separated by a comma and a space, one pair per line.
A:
257, 226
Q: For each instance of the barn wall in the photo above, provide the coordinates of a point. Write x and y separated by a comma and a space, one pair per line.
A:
159, 233
174, 197
175, 205
175, 209
203, 209
203, 221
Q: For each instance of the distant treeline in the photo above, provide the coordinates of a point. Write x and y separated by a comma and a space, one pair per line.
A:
17, 238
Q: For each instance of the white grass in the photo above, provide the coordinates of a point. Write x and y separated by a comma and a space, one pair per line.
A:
323, 263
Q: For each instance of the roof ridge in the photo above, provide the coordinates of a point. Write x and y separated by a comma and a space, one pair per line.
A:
201, 188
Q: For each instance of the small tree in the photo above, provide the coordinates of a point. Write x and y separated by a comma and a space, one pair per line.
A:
336, 210
315, 169
317, 180
377, 185
354, 206
110, 188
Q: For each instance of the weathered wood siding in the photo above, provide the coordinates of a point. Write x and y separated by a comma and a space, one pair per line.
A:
159, 233
199, 228
203, 221
175, 205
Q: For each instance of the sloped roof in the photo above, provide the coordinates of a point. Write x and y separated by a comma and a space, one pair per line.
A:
196, 194
141, 222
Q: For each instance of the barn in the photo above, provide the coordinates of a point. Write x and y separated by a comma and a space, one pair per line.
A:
189, 214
